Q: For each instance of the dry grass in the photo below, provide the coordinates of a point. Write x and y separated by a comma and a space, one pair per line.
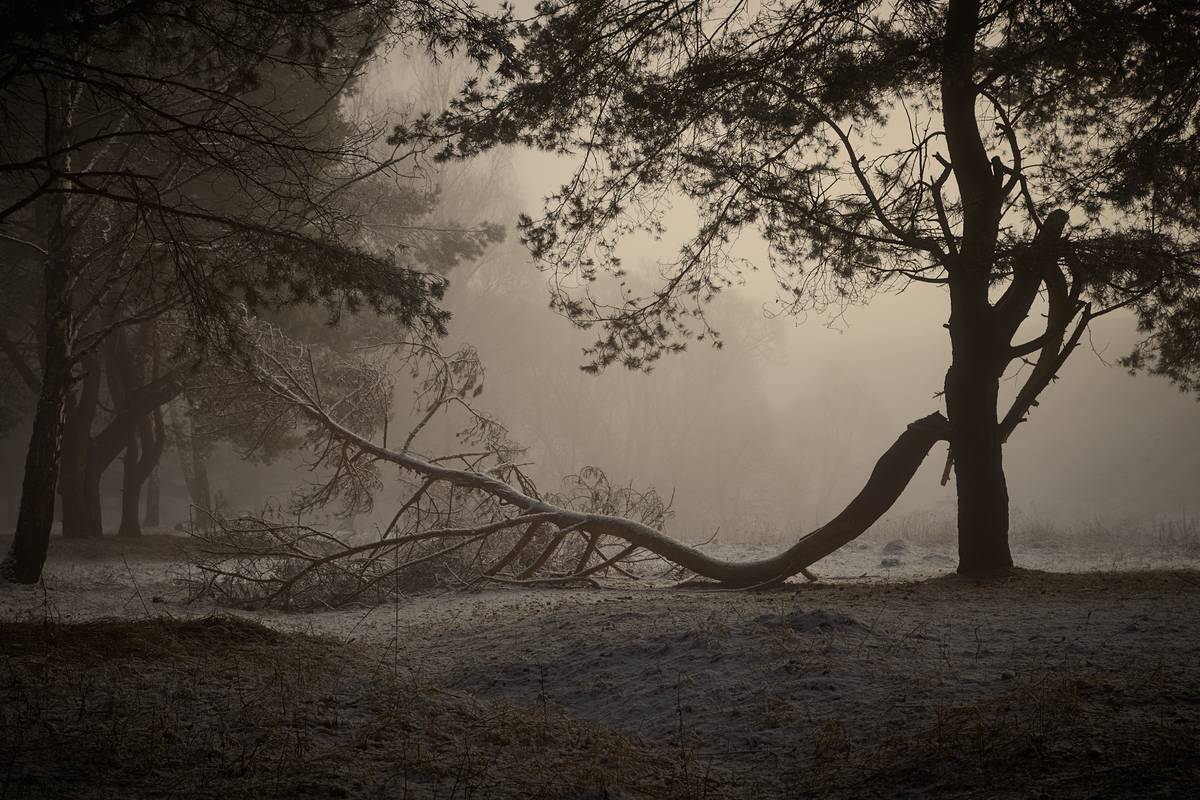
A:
1035, 684
152, 546
1053, 736
225, 708
1167, 535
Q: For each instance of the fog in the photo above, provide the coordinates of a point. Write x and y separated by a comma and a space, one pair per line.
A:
762, 439
773, 433
316, 480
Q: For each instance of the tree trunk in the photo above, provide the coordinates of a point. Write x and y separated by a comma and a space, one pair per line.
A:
979, 350
35, 517
153, 517
979, 472
202, 498
191, 460
92, 502
976, 442
76, 444
130, 431
142, 454
131, 491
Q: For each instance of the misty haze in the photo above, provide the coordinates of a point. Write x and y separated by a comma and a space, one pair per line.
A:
599, 400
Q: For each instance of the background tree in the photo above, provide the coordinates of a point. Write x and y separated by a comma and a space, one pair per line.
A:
182, 153
1034, 159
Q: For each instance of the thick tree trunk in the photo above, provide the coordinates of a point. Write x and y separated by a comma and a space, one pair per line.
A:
978, 344
35, 517
976, 441
976, 445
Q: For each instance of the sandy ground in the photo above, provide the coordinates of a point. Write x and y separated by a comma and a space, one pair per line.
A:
1083, 684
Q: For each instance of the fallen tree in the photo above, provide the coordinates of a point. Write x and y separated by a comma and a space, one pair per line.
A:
476, 514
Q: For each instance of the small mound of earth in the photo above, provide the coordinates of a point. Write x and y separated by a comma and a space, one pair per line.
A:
895, 546
720, 682
224, 708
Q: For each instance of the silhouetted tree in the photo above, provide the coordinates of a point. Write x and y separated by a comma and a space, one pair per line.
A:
1039, 161
187, 154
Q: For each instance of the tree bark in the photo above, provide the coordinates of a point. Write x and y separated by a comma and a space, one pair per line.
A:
142, 455
977, 448
35, 516
976, 440
153, 517
979, 351
76, 443
92, 497
131, 491
134, 407
191, 459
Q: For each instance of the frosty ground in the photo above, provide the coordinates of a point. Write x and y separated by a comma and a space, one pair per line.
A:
887, 677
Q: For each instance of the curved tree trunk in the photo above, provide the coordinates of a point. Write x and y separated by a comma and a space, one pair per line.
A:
135, 404
892, 473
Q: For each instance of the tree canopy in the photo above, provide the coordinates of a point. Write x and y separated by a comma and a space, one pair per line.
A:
1036, 159
836, 132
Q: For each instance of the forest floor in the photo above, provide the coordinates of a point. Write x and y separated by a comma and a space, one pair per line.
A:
1051, 684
